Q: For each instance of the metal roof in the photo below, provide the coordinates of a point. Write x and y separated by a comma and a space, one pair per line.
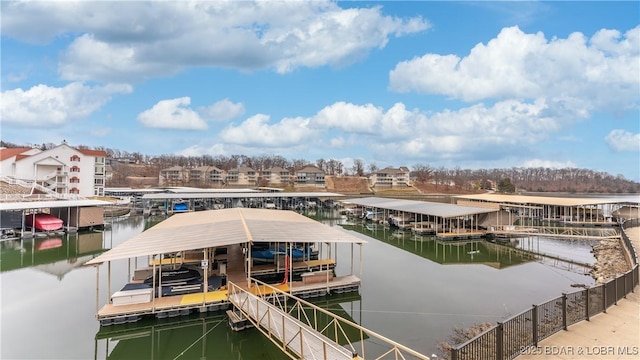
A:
539, 200
24, 205
185, 189
420, 207
239, 195
213, 228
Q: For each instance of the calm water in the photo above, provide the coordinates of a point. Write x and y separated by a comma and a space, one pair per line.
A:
414, 290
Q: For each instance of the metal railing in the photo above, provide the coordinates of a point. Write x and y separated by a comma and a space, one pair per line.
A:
47, 193
510, 338
328, 324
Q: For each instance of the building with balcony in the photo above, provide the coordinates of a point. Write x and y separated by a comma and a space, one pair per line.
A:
390, 178
277, 176
173, 176
310, 176
62, 169
206, 176
242, 176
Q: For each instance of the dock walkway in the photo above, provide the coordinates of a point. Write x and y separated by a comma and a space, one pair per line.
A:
611, 335
298, 338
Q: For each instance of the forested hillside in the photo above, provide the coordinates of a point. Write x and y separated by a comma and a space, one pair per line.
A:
126, 165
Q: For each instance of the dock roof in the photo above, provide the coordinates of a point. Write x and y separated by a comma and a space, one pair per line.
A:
213, 228
24, 205
420, 207
239, 195
539, 200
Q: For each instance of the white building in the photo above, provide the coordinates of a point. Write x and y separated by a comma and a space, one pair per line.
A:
63, 169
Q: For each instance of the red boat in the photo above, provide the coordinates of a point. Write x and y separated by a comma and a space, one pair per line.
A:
43, 221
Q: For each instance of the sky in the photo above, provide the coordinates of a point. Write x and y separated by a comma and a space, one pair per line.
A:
447, 84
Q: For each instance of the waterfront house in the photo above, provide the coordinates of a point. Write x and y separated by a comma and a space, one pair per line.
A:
63, 169
241, 177
310, 176
277, 176
390, 178
173, 176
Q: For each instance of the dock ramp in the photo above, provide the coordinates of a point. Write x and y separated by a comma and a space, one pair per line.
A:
305, 331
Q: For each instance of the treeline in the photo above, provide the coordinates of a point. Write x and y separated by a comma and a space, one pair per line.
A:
571, 180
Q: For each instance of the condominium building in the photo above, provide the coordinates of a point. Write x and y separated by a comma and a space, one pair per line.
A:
62, 169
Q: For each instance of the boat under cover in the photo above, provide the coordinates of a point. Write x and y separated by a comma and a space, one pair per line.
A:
180, 276
270, 254
43, 221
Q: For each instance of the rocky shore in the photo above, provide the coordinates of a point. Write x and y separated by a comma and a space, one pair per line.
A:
610, 260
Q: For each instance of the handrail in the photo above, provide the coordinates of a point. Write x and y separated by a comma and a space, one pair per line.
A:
35, 186
585, 303
339, 325
247, 306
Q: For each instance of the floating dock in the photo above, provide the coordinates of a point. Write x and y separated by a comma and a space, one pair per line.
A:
217, 241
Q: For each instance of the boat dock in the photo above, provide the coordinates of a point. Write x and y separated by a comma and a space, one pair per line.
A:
444, 221
218, 242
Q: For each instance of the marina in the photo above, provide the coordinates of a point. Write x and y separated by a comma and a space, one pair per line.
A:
375, 280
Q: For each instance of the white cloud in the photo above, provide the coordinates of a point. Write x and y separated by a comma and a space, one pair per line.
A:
134, 40
172, 114
257, 131
44, 105
548, 164
477, 131
349, 117
222, 110
197, 150
621, 140
600, 72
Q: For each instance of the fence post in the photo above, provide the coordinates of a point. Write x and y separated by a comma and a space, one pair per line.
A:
534, 324
454, 353
624, 281
587, 304
564, 311
499, 341
615, 290
604, 297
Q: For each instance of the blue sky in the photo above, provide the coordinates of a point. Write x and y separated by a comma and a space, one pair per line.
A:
452, 84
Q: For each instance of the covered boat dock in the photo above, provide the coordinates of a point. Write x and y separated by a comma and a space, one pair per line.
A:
213, 199
75, 214
575, 211
219, 243
445, 221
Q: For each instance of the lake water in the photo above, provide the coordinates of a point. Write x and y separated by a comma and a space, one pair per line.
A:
415, 290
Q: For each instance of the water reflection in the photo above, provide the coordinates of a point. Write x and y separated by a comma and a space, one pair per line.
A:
56, 255
444, 252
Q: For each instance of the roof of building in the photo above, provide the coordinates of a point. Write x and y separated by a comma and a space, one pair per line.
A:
173, 168
92, 152
214, 228
310, 168
539, 200
7, 153
24, 205
419, 207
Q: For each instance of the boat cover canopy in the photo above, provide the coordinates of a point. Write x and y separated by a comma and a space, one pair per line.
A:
214, 228
419, 207
541, 200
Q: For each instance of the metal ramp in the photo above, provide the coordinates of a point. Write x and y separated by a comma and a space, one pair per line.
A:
305, 331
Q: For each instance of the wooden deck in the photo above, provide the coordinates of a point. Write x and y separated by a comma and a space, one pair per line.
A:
459, 235
218, 300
